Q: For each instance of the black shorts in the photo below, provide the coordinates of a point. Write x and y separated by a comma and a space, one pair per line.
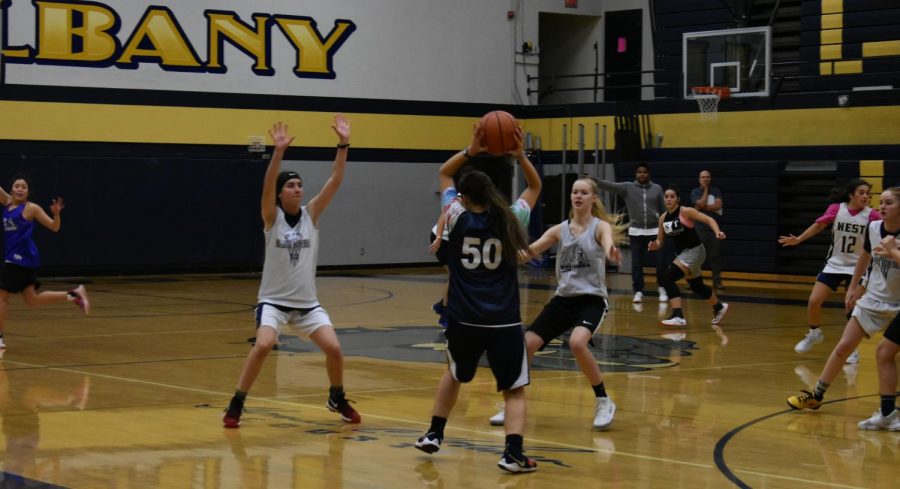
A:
564, 313
834, 280
892, 333
441, 254
17, 278
505, 347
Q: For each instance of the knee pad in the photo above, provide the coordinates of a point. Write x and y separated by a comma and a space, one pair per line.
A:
700, 288
670, 277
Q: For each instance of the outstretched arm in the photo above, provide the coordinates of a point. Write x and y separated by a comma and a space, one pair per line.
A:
281, 139
606, 240
812, 230
532, 179
660, 235
542, 244
317, 205
696, 215
5, 198
35, 212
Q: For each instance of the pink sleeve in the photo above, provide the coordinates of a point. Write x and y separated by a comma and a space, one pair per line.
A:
830, 214
874, 215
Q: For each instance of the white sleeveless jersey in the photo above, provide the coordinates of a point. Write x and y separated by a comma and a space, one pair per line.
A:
847, 235
580, 263
883, 275
289, 271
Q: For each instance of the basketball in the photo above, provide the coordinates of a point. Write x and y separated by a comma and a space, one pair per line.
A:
499, 132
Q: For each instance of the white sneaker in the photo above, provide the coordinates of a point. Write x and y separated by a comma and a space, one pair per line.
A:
853, 359
891, 422
499, 419
638, 297
2, 344
603, 413
721, 314
663, 297
674, 321
814, 336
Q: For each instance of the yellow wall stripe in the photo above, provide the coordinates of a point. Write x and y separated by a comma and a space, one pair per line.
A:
873, 172
832, 36
833, 21
832, 6
825, 68
848, 67
832, 51
881, 48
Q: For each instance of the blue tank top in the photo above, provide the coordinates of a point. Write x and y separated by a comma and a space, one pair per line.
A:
20, 248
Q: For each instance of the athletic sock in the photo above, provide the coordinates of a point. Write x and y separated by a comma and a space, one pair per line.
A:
717, 307
888, 404
821, 387
336, 392
514, 443
677, 313
599, 390
813, 326
437, 426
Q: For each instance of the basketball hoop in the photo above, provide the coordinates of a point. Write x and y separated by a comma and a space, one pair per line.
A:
708, 100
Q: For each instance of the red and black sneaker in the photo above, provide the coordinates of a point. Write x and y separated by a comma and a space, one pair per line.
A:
342, 405
232, 418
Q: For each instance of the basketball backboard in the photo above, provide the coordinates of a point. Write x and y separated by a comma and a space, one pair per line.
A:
740, 59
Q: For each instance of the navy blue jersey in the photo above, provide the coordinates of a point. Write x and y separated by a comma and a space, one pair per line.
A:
484, 290
20, 248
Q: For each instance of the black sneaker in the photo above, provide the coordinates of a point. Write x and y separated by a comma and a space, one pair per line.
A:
342, 405
429, 443
516, 463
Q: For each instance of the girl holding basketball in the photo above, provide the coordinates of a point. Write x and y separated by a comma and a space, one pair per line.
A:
678, 223
287, 294
873, 307
485, 244
848, 216
22, 259
587, 240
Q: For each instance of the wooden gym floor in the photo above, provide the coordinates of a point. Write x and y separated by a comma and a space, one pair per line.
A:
132, 395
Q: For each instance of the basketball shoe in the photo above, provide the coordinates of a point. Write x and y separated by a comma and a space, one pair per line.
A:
603, 413
232, 418
813, 337
891, 422
339, 404
516, 462
674, 321
804, 400
500, 418
721, 314
430, 443
78, 295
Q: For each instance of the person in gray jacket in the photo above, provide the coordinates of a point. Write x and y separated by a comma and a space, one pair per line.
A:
644, 201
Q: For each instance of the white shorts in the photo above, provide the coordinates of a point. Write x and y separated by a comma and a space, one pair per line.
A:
303, 321
693, 258
874, 315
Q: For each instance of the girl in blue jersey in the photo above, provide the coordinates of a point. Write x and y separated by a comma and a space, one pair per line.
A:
287, 292
21, 258
678, 225
486, 242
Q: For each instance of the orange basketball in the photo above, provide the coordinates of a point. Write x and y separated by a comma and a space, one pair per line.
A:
499, 132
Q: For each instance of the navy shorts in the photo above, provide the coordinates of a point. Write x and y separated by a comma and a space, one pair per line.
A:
564, 313
505, 348
834, 280
17, 278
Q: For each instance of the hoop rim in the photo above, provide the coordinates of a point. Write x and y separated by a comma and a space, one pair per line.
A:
720, 92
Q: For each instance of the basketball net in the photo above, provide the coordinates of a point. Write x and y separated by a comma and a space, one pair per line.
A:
708, 100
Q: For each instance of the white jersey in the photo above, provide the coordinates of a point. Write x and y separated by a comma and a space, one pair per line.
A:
289, 272
883, 275
847, 235
580, 262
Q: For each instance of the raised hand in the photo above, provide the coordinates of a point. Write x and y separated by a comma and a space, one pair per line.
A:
341, 127
280, 136
56, 206
519, 137
477, 145
789, 240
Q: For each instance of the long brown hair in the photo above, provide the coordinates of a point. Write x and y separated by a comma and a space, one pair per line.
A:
599, 211
478, 188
